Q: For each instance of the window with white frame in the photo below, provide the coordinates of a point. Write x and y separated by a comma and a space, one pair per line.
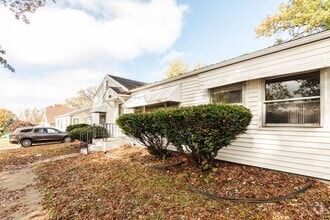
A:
75, 121
293, 100
227, 94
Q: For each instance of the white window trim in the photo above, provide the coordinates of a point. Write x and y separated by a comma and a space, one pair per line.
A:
321, 97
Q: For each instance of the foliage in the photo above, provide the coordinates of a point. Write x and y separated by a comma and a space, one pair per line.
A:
298, 17
24, 156
96, 187
71, 127
83, 99
199, 65
176, 68
19, 124
20, 8
6, 117
148, 130
32, 115
201, 131
87, 132
3, 61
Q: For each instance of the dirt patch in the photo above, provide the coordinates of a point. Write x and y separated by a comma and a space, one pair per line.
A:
20, 195
20, 198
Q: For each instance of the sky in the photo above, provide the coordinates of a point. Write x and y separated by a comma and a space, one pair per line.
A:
72, 44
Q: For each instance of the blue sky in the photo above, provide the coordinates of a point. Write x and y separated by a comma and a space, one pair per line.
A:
72, 44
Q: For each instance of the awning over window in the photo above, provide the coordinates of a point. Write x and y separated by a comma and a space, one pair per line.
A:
170, 94
99, 108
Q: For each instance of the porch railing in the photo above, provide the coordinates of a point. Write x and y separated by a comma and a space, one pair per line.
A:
113, 130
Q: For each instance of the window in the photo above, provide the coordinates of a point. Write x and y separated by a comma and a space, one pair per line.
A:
293, 100
40, 130
75, 121
154, 107
227, 94
52, 131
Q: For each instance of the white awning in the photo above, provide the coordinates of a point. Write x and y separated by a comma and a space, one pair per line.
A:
99, 108
170, 94
135, 101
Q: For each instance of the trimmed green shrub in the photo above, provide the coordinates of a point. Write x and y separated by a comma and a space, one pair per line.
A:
71, 127
201, 131
88, 132
148, 130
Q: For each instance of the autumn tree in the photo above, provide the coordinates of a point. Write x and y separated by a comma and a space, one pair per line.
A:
32, 115
19, 124
176, 68
199, 65
298, 18
83, 99
6, 118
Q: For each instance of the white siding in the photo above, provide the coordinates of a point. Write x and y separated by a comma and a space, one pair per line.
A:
298, 150
303, 151
304, 58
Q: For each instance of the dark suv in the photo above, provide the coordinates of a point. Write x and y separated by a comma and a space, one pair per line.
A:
29, 135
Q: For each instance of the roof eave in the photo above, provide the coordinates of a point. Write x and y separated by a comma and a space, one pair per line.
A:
259, 53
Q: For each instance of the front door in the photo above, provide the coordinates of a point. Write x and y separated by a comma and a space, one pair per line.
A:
102, 118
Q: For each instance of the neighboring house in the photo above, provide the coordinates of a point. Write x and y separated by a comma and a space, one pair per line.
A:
287, 89
80, 116
52, 111
109, 98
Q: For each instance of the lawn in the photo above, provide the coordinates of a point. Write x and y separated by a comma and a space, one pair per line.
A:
128, 183
23, 156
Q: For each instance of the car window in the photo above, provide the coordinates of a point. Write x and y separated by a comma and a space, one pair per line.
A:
52, 131
40, 130
26, 130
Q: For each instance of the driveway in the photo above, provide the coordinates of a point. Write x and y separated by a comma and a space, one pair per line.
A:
6, 145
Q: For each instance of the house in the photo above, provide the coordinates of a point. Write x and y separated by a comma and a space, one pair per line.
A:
52, 111
109, 98
80, 116
287, 89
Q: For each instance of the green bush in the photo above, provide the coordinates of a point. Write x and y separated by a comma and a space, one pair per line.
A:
88, 132
148, 130
201, 131
72, 127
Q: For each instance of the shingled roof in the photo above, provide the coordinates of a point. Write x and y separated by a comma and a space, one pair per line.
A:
58, 109
128, 83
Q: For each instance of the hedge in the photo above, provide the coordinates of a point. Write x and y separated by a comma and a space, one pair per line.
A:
71, 127
198, 132
201, 131
148, 130
95, 132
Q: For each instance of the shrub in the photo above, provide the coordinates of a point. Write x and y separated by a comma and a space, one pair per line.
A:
87, 132
201, 131
148, 130
71, 127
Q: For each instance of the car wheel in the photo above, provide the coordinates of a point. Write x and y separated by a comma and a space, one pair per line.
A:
26, 143
67, 139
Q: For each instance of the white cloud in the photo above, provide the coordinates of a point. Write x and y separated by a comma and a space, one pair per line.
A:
18, 93
76, 31
172, 55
